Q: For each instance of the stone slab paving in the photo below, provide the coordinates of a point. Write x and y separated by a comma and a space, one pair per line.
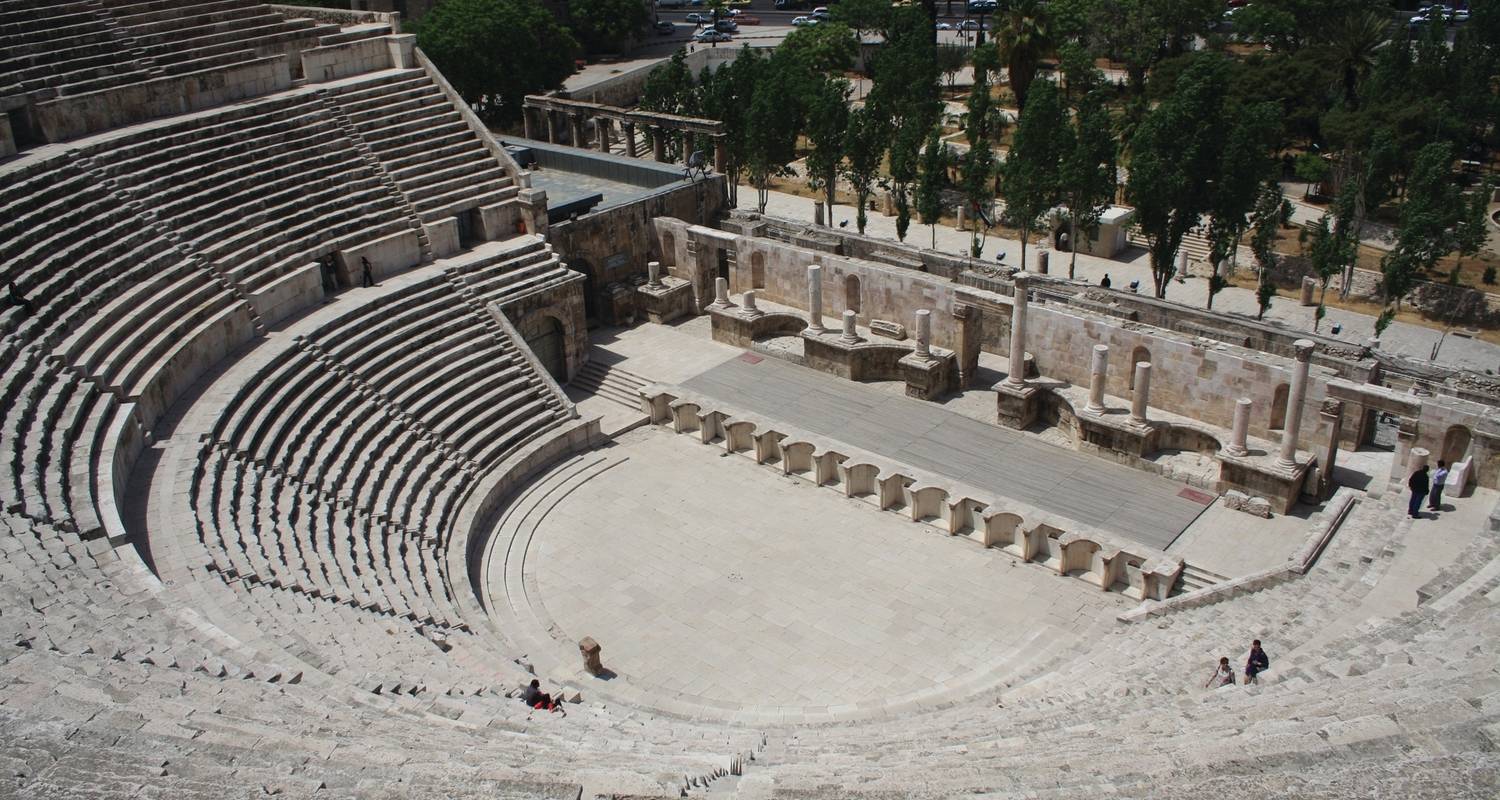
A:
721, 582
1112, 497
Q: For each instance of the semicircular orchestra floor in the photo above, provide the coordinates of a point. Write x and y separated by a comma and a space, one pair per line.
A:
717, 586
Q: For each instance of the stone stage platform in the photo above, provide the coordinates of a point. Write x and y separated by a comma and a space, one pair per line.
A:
1138, 505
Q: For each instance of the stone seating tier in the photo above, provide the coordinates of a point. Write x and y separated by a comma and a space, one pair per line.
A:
424, 144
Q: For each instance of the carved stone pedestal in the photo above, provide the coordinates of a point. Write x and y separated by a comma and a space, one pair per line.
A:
664, 303
1017, 406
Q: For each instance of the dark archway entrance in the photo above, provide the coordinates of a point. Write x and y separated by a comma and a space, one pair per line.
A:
544, 335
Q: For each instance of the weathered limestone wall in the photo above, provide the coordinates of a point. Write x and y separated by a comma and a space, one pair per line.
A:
342, 60
777, 271
73, 116
608, 247
564, 304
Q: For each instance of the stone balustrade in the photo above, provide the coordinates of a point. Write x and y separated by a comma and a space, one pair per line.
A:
1020, 530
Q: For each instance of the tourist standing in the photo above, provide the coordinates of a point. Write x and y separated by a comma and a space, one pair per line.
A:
19, 300
1257, 663
1105, 282
1418, 485
1440, 477
1223, 675
364, 264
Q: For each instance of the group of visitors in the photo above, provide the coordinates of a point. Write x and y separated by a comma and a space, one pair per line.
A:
1255, 663
1424, 486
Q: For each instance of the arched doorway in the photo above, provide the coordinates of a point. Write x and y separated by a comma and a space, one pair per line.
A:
544, 335
1278, 407
851, 293
1456, 444
1137, 355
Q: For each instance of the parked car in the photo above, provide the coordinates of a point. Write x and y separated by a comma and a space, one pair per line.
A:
982, 6
727, 26
699, 19
709, 36
970, 25
821, 14
801, 21
944, 26
665, 28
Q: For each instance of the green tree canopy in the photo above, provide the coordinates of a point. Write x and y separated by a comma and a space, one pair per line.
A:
495, 52
1087, 179
1032, 182
829, 47
1176, 149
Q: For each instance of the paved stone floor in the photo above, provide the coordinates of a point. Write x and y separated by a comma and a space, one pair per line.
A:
1092, 491
721, 582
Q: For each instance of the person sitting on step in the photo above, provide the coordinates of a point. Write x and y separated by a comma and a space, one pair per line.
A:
534, 697
1223, 675
1256, 663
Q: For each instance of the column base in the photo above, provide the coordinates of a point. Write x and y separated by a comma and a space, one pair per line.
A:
1017, 406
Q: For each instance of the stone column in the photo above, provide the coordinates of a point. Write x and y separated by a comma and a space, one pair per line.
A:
748, 309
963, 219
1042, 260
721, 293
653, 274
1142, 392
1298, 393
1098, 371
851, 331
924, 333
528, 123
601, 130
1309, 288
1416, 459
575, 127
815, 299
658, 145
721, 155
1017, 376
552, 126
1182, 265
818, 212
1241, 431
630, 140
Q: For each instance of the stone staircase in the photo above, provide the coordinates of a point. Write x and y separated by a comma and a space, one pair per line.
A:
612, 383
1193, 577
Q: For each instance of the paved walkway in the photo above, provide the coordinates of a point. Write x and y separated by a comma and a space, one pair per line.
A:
1111, 497
1413, 341
715, 582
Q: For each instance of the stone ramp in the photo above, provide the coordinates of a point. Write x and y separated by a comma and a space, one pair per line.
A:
1134, 504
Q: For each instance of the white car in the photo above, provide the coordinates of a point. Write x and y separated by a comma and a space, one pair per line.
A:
710, 36
801, 21
698, 19
944, 26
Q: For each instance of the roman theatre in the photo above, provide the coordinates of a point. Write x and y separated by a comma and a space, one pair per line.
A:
332, 418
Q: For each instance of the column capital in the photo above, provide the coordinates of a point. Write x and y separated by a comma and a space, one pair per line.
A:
1304, 349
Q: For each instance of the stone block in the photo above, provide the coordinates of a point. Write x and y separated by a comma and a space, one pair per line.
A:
443, 236
662, 304
292, 292
888, 329
1259, 506
1235, 500
589, 649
